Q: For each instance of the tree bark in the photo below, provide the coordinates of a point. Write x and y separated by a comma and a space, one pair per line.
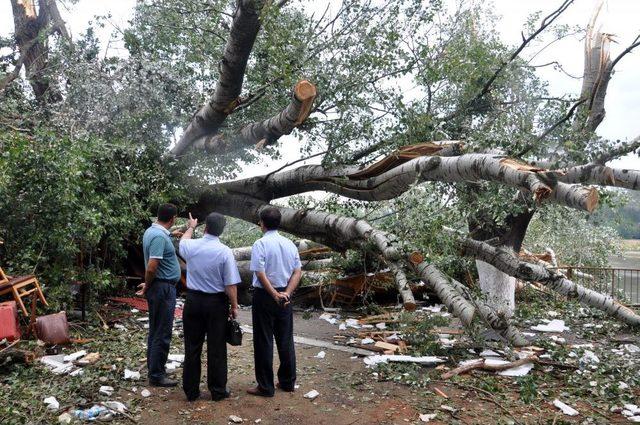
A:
506, 261
267, 132
244, 30
376, 186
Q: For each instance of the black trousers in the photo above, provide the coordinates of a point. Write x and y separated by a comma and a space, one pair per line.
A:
205, 315
271, 320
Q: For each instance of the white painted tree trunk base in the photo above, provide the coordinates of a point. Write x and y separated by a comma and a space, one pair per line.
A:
499, 289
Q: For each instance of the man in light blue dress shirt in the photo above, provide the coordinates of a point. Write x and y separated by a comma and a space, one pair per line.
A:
212, 276
277, 270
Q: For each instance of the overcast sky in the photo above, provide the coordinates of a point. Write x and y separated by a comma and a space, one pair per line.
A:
619, 17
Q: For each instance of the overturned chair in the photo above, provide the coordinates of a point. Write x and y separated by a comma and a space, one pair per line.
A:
20, 287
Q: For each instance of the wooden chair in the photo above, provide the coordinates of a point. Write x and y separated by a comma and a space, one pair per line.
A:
20, 287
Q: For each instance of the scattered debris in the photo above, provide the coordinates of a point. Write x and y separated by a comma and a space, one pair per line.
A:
440, 392
312, 395
235, 419
566, 409
106, 390
425, 360
367, 341
426, 417
131, 375
554, 325
75, 356
320, 355
89, 359
65, 418
52, 403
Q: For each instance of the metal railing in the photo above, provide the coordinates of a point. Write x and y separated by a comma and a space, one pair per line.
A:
623, 284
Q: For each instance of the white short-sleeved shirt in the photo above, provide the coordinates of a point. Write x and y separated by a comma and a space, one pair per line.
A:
210, 264
276, 256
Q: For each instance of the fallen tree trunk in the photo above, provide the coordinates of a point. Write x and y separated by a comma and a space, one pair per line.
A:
378, 185
506, 261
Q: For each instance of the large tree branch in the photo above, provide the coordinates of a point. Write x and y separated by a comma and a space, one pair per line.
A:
244, 30
506, 261
341, 233
375, 183
265, 132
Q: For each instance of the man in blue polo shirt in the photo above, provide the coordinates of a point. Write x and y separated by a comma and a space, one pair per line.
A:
212, 276
161, 275
277, 270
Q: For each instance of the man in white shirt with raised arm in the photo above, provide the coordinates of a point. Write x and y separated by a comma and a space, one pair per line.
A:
277, 270
212, 276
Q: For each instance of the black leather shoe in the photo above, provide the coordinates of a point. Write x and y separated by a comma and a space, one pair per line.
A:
193, 398
218, 396
163, 382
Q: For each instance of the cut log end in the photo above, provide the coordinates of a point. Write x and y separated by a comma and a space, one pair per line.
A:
409, 306
416, 258
304, 90
593, 197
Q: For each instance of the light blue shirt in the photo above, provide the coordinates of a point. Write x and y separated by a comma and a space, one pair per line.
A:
276, 256
156, 243
210, 264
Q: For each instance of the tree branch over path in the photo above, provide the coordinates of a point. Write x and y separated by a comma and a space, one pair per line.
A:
375, 184
341, 233
244, 30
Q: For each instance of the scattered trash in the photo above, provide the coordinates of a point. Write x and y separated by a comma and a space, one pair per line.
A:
176, 358
65, 418
381, 326
173, 365
328, 317
631, 348
52, 403
257, 421
320, 355
56, 364
97, 411
131, 375
425, 360
90, 358
554, 325
75, 356
366, 341
311, 395
589, 357
342, 327
145, 393
566, 409
106, 390
235, 419
425, 417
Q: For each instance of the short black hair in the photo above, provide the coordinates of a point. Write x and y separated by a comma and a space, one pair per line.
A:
271, 217
166, 212
215, 224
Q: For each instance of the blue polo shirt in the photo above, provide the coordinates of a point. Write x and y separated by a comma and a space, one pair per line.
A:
210, 264
156, 243
276, 256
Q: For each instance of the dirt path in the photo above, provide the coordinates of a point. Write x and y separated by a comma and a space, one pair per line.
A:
349, 393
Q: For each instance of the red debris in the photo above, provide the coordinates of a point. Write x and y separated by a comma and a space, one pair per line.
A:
9, 327
141, 304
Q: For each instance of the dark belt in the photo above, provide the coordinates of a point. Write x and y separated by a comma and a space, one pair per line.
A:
207, 294
277, 289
